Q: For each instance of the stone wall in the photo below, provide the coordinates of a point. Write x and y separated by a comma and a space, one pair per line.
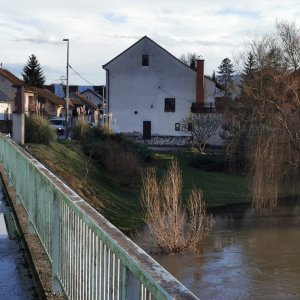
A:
174, 141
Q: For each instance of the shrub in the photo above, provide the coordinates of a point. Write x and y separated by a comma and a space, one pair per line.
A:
124, 165
38, 130
209, 162
174, 226
80, 130
97, 135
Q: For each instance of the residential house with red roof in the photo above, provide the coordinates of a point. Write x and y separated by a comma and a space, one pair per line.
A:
36, 99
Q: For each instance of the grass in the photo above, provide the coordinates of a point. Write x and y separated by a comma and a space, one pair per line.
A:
218, 188
120, 204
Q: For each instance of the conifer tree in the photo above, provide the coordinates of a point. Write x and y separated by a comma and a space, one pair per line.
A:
249, 64
190, 60
226, 71
213, 77
32, 72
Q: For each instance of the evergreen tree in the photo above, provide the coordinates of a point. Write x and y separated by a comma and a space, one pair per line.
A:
226, 71
213, 77
190, 60
32, 72
249, 64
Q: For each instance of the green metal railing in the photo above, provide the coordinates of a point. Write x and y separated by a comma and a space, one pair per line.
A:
91, 259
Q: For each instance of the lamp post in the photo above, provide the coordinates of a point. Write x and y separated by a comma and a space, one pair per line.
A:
67, 90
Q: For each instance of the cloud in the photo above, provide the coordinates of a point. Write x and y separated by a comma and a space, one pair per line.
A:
112, 17
99, 30
239, 12
38, 41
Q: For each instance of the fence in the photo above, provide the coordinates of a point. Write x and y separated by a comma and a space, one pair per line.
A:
91, 259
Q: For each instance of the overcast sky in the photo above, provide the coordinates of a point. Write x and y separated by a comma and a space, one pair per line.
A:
99, 30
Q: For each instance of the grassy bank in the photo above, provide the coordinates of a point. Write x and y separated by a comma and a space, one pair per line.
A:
120, 204
218, 188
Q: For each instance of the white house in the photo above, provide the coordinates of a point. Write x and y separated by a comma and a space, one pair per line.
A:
93, 96
150, 91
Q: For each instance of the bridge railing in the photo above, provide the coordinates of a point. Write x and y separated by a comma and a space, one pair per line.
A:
91, 259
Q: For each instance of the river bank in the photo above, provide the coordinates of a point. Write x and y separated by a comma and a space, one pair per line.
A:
120, 204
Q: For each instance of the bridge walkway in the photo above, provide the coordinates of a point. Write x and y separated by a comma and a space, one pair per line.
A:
16, 280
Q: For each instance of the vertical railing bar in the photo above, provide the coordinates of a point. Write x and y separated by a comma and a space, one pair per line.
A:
96, 266
93, 266
86, 263
108, 273
76, 257
123, 282
104, 270
65, 245
80, 260
118, 278
76, 273
113, 276
69, 252
71, 274
100, 269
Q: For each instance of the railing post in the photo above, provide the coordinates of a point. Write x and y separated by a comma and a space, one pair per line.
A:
55, 244
131, 288
31, 194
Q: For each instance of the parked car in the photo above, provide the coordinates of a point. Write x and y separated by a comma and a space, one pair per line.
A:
59, 124
91, 124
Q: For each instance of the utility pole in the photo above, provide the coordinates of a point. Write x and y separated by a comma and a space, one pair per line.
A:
67, 91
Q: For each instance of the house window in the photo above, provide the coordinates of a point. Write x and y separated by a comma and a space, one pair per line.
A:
169, 104
177, 126
190, 127
145, 60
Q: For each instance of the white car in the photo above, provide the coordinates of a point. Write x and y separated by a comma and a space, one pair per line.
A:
59, 124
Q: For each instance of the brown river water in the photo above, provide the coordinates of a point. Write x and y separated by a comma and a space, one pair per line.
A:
246, 256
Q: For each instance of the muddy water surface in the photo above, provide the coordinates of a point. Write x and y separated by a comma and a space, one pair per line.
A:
246, 257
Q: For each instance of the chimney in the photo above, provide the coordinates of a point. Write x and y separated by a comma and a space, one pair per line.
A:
200, 81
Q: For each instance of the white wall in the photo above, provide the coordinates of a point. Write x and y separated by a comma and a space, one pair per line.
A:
92, 97
3, 108
6, 87
133, 87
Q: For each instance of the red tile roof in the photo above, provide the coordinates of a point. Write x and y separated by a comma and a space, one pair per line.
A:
85, 100
47, 95
10, 77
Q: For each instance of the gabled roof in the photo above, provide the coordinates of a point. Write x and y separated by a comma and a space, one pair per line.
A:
10, 77
47, 95
85, 101
157, 45
93, 92
75, 102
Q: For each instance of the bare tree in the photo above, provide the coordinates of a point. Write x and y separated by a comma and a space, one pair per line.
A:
190, 60
202, 126
174, 226
271, 94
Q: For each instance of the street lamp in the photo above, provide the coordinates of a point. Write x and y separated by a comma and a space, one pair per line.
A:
67, 90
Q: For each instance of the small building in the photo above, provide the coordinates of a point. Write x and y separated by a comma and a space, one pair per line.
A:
150, 92
93, 96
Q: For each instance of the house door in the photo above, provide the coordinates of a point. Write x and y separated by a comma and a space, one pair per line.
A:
147, 130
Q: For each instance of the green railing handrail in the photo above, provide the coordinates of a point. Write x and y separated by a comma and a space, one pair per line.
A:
55, 211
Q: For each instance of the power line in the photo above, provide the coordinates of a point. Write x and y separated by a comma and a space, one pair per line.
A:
80, 75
